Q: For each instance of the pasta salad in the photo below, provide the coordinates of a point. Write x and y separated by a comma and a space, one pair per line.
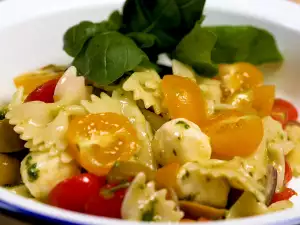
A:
121, 134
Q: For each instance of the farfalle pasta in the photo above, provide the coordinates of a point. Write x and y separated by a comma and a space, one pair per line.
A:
143, 203
121, 135
146, 86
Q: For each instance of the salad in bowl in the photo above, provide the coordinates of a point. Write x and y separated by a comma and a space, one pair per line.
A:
158, 118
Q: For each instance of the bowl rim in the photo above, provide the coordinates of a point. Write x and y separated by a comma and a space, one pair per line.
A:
14, 12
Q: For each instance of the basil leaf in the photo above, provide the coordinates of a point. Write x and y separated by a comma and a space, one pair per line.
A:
143, 40
195, 50
107, 56
191, 11
244, 44
168, 20
76, 36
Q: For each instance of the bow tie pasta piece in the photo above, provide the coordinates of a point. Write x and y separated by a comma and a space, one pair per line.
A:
200, 188
271, 150
247, 206
293, 158
143, 203
71, 89
41, 172
278, 146
103, 104
122, 103
210, 88
42, 125
180, 140
146, 86
232, 171
183, 70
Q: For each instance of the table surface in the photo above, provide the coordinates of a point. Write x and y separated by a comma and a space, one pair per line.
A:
12, 219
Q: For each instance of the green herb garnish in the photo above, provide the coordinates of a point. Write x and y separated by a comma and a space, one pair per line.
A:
104, 52
149, 214
184, 124
33, 172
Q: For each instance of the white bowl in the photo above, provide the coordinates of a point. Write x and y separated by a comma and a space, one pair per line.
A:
31, 36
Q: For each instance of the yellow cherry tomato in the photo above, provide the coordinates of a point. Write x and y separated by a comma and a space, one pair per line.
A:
239, 76
263, 99
30, 81
97, 141
166, 177
233, 134
183, 99
260, 98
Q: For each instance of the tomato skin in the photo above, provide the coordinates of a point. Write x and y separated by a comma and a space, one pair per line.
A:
286, 194
283, 111
97, 141
239, 76
183, 99
108, 206
288, 175
228, 130
73, 193
43, 93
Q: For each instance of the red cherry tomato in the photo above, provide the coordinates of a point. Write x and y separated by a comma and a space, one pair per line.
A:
283, 111
108, 203
286, 194
73, 193
43, 93
288, 175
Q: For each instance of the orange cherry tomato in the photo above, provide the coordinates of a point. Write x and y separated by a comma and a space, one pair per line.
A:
286, 194
260, 98
234, 135
239, 76
97, 141
283, 111
263, 99
183, 99
166, 176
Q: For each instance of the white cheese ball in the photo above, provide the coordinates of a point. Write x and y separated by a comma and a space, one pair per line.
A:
180, 140
41, 172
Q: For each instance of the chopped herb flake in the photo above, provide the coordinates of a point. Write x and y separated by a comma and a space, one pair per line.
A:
33, 172
186, 175
174, 152
184, 124
148, 215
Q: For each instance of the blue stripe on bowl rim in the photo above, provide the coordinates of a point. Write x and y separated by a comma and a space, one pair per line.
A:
19, 210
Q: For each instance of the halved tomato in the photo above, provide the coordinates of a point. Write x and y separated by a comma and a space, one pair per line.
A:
233, 134
97, 141
283, 111
183, 99
238, 77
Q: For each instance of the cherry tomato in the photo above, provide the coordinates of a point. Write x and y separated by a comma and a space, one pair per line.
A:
260, 98
283, 111
166, 177
97, 141
183, 99
43, 93
31, 81
73, 193
239, 76
263, 99
234, 135
108, 202
288, 175
286, 194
